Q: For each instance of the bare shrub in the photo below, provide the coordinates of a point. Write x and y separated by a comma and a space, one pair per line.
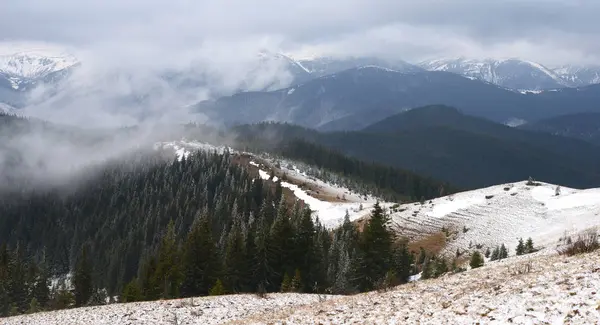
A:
523, 268
585, 243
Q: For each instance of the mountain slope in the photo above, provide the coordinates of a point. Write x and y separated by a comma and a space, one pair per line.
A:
578, 76
466, 151
511, 73
323, 66
355, 98
584, 126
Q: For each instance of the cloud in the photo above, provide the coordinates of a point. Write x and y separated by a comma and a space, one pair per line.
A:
424, 28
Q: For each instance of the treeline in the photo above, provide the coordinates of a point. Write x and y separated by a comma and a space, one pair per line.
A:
385, 181
149, 227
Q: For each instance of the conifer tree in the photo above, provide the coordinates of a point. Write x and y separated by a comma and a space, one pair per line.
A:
476, 260
168, 273
217, 289
201, 266
529, 246
503, 252
82, 278
235, 260
132, 292
286, 284
520, 250
375, 251
296, 285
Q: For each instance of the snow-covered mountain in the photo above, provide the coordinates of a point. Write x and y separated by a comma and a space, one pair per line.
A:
510, 73
22, 69
577, 76
322, 66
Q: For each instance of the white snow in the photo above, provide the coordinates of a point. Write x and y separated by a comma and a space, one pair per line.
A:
184, 148
291, 91
524, 290
501, 214
33, 63
330, 214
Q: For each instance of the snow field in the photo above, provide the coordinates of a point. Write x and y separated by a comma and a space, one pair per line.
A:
502, 214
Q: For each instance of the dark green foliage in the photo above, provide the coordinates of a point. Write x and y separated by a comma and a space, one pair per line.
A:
520, 250
476, 260
82, 278
375, 251
132, 292
218, 289
296, 284
529, 246
503, 252
286, 284
200, 260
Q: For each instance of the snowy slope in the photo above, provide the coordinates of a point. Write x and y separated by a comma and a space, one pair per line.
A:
509, 73
312, 191
578, 76
555, 290
502, 214
5, 108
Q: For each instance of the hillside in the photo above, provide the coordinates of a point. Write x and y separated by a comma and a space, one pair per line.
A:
528, 290
355, 98
445, 144
583, 126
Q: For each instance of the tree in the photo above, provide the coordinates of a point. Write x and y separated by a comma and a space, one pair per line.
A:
217, 289
476, 260
132, 292
520, 250
286, 284
296, 284
34, 306
375, 251
529, 246
503, 252
487, 252
168, 273
82, 278
200, 260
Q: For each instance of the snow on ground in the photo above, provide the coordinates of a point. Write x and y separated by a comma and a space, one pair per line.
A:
502, 214
205, 310
556, 290
330, 214
519, 290
184, 148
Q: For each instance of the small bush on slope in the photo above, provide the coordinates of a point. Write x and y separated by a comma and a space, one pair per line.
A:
585, 243
476, 260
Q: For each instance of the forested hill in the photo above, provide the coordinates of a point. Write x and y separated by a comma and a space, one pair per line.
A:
147, 225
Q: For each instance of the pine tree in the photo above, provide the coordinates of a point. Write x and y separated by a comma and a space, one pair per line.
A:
132, 292
200, 260
286, 284
520, 247
495, 254
217, 289
235, 260
487, 253
375, 251
296, 285
476, 260
503, 252
529, 246
82, 278
168, 273
34, 306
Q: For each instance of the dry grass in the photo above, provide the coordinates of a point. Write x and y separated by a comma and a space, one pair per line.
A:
585, 243
433, 243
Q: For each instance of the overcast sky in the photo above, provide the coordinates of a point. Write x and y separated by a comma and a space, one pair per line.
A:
549, 31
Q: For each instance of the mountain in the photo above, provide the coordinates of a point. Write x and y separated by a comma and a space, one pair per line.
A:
323, 66
355, 98
22, 70
443, 143
584, 126
578, 76
510, 73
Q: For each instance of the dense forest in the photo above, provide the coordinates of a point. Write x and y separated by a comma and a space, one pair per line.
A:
148, 226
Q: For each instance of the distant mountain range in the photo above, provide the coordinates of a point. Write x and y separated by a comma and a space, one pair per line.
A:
444, 143
516, 73
584, 126
355, 98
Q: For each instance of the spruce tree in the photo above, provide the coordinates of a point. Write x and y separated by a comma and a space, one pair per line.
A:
286, 284
235, 260
82, 278
375, 251
503, 252
296, 285
476, 260
168, 273
520, 247
529, 246
201, 266
217, 289
132, 292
